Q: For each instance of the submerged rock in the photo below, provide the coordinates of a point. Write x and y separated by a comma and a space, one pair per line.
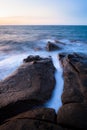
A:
52, 47
73, 113
30, 85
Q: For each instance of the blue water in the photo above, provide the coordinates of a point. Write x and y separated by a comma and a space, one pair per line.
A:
22, 38
17, 42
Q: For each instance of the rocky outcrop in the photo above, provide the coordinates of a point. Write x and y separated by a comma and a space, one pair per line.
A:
29, 124
52, 47
45, 114
31, 58
30, 85
38, 119
73, 113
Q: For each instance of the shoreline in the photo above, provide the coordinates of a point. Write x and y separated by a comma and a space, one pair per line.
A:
73, 98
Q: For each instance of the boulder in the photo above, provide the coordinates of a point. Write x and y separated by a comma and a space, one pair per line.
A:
31, 58
45, 114
37, 119
52, 47
29, 124
75, 75
73, 113
30, 85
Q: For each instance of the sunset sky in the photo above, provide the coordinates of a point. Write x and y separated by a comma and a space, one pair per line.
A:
34, 12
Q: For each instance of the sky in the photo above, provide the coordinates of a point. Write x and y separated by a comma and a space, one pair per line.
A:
43, 12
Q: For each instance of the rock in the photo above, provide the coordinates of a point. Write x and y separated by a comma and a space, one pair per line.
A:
31, 58
73, 113
37, 119
29, 124
71, 95
52, 47
30, 85
45, 114
75, 75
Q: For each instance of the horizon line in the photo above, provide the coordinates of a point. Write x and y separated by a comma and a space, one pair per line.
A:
43, 24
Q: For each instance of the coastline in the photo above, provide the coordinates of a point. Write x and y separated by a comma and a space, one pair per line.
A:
36, 65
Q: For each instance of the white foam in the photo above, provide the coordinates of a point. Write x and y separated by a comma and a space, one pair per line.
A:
9, 64
55, 101
47, 40
65, 41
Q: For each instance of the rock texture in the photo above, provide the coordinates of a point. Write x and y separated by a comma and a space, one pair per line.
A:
73, 113
52, 46
30, 85
29, 124
45, 114
37, 119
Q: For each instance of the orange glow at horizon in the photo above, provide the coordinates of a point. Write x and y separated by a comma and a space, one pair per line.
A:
22, 20
39, 12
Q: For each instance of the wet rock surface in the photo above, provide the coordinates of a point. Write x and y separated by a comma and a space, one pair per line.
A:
18, 92
31, 58
30, 85
45, 114
52, 46
73, 113
37, 119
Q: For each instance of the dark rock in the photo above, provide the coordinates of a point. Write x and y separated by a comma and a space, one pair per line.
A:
75, 75
29, 124
52, 46
73, 113
45, 114
37, 119
72, 95
30, 85
31, 58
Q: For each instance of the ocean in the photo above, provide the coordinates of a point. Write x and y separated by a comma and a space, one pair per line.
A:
17, 42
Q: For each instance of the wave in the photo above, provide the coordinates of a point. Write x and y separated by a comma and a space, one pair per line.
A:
11, 53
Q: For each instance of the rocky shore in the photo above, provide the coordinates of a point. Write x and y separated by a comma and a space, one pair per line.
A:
73, 113
31, 85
